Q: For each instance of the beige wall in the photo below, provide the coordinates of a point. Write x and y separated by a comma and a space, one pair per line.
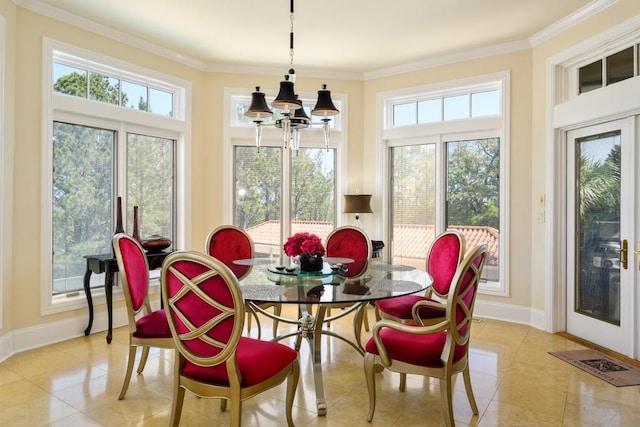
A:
22, 176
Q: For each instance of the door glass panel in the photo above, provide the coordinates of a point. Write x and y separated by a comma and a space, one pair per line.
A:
258, 177
413, 201
597, 285
473, 197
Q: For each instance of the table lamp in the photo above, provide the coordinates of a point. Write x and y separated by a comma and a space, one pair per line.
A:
357, 204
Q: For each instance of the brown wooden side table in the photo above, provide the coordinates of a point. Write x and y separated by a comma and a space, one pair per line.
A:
107, 264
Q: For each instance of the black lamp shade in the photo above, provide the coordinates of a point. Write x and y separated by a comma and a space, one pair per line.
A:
286, 98
357, 203
300, 118
258, 108
324, 105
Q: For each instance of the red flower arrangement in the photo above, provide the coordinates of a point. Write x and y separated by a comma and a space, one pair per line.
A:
303, 243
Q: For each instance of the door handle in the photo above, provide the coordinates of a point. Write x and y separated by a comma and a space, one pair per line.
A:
624, 253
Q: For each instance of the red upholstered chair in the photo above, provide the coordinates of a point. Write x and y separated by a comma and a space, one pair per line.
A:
350, 242
206, 315
229, 243
439, 350
147, 328
443, 257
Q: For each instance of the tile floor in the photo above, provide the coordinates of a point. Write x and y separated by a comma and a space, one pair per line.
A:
516, 383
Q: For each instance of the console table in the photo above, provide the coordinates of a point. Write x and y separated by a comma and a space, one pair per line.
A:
107, 264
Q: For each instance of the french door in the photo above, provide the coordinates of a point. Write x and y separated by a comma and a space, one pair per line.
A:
602, 211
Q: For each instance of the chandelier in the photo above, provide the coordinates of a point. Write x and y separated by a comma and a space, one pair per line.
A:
294, 118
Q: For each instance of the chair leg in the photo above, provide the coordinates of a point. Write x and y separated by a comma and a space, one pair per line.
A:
467, 385
366, 318
127, 375
369, 373
236, 410
176, 406
292, 385
447, 400
223, 405
277, 310
143, 358
403, 381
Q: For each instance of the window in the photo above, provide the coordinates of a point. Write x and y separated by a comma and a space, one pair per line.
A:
617, 67
450, 176
447, 107
102, 147
70, 78
276, 191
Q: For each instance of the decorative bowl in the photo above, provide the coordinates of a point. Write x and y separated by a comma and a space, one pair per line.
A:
155, 243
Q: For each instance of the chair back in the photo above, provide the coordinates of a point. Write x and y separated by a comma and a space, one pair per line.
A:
350, 242
229, 243
443, 257
134, 274
461, 300
204, 306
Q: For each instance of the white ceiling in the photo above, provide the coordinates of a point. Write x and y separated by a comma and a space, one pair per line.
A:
344, 36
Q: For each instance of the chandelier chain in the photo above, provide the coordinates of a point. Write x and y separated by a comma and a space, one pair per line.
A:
291, 37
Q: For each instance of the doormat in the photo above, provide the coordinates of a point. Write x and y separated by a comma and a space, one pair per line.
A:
598, 364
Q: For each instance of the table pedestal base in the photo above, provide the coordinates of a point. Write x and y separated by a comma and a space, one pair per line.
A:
310, 328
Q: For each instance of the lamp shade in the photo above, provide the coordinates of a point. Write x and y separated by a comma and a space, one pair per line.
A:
324, 105
286, 98
357, 203
258, 108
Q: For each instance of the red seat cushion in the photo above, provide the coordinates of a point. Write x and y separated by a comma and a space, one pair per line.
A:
400, 307
420, 350
257, 360
153, 325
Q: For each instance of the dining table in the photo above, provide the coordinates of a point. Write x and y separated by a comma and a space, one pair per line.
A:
278, 280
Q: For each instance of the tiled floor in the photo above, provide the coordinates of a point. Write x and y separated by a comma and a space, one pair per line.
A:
516, 383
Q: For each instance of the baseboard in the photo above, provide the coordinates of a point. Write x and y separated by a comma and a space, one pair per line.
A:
53, 332
509, 313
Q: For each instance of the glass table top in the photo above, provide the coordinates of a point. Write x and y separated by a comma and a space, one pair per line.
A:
265, 283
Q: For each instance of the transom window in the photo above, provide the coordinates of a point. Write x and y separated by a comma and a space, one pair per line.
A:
611, 69
442, 108
97, 82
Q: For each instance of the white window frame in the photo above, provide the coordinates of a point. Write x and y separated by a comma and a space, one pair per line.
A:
65, 108
272, 137
446, 131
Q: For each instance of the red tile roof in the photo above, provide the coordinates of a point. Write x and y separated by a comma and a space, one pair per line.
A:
410, 241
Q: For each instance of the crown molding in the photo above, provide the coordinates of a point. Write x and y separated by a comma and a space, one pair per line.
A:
280, 71
448, 59
108, 32
551, 31
571, 20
